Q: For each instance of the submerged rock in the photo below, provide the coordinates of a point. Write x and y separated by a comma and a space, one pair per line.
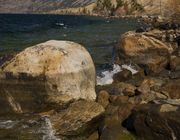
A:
51, 73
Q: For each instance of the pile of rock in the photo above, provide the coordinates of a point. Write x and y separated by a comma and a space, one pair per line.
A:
55, 75
56, 79
147, 103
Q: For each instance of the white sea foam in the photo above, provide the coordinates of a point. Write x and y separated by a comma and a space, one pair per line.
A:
106, 77
7, 124
47, 130
130, 68
60, 24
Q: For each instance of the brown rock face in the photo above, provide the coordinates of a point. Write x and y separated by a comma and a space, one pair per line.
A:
175, 63
81, 118
122, 76
111, 127
173, 89
50, 73
103, 98
152, 121
148, 52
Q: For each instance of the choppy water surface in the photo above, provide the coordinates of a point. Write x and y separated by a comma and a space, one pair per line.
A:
17, 32
98, 35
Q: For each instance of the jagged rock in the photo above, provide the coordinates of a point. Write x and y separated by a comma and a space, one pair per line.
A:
122, 76
149, 90
153, 121
103, 98
149, 84
94, 136
148, 52
169, 37
80, 119
168, 108
140, 30
5, 58
172, 88
118, 99
122, 89
111, 128
47, 74
117, 133
175, 63
174, 75
137, 78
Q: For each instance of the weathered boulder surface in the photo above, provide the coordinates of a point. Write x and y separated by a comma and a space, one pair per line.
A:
103, 98
175, 63
54, 72
172, 88
122, 76
148, 52
111, 127
153, 121
80, 119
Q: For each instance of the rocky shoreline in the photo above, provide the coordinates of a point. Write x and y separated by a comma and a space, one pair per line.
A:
52, 81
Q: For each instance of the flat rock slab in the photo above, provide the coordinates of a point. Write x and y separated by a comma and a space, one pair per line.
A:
81, 118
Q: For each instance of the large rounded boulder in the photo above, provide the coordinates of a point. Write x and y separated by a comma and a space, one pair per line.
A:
51, 73
148, 52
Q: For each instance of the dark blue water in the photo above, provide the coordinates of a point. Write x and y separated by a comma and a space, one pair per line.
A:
98, 35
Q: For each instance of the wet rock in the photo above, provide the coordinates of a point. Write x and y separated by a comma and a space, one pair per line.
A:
5, 58
175, 63
149, 90
140, 30
103, 98
153, 121
136, 100
178, 40
161, 95
127, 89
111, 128
168, 108
122, 89
47, 74
94, 136
137, 78
149, 84
116, 133
118, 99
175, 102
169, 37
174, 75
122, 76
81, 119
172, 88
149, 53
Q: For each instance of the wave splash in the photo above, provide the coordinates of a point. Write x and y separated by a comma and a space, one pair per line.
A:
105, 77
